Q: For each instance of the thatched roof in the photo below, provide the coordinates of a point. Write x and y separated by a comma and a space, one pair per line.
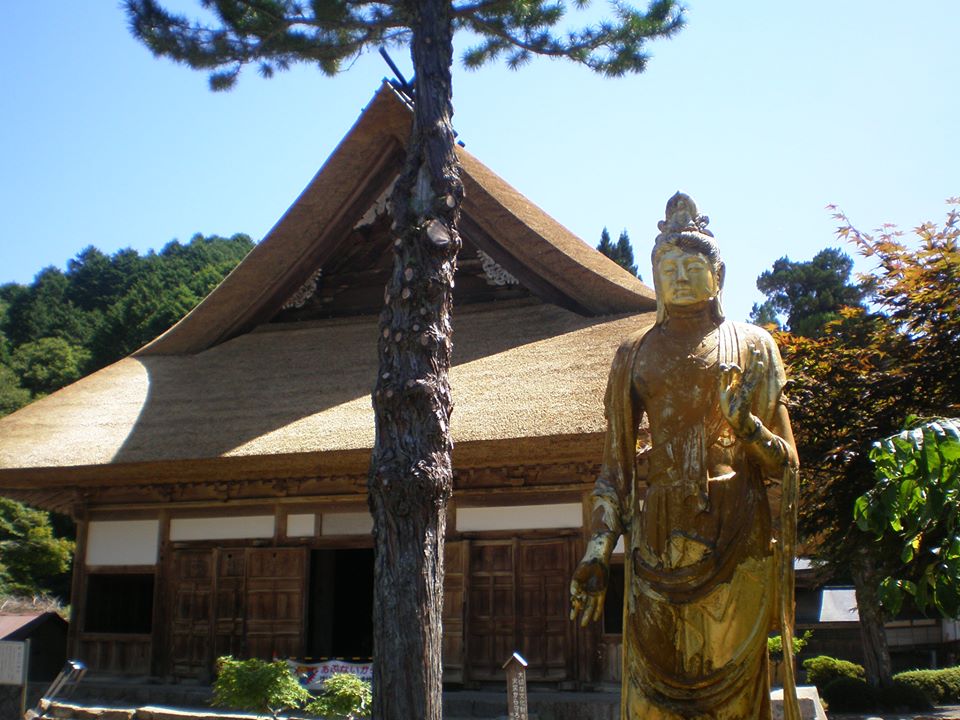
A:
527, 242
226, 394
532, 370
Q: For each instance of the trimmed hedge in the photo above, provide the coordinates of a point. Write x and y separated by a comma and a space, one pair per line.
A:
843, 685
848, 694
901, 697
823, 669
941, 686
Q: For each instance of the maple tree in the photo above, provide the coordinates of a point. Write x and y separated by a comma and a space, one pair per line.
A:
858, 381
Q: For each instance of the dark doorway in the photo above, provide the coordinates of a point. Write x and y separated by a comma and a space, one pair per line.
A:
341, 604
119, 604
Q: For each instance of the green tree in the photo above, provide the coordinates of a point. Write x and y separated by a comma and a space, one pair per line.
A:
912, 511
621, 253
93, 279
411, 476
12, 395
33, 561
606, 245
44, 309
102, 308
146, 310
48, 364
858, 380
802, 297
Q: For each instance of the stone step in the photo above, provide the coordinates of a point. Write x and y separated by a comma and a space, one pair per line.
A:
457, 705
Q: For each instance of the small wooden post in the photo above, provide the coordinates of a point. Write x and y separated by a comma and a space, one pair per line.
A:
516, 668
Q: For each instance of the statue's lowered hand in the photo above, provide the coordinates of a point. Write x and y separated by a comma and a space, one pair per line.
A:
588, 590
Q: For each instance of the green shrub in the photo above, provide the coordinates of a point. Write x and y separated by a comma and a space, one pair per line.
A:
823, 669
257, 685
901, 697
949, 681
344, 696
941, 686
775, 645
850, 694
924, 680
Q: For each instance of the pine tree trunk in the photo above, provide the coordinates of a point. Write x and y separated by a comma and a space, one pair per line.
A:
411, 477
876, 654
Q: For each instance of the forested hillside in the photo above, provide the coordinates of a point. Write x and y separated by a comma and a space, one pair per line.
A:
65, 325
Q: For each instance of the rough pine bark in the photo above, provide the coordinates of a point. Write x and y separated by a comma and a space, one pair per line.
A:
411, 477
876, 653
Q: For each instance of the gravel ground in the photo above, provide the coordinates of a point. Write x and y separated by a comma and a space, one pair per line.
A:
946, 712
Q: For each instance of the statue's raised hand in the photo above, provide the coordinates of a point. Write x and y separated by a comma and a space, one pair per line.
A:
588, 589
736, 393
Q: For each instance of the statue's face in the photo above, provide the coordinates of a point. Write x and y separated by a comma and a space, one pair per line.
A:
686, 277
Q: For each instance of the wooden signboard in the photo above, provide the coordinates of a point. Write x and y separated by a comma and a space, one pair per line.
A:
14, 667
516, 668
13, 662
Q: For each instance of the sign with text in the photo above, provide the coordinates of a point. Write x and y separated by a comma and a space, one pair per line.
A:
516, 668
312, 675
12, 662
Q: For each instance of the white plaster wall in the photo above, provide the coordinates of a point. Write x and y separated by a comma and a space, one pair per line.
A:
123, 542
348, 523
520, 517
222, 528
301, 525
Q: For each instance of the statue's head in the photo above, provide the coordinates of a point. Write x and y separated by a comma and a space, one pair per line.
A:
687, 269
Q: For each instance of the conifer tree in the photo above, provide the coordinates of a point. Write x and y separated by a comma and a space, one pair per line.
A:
606, 246
625, 253
411, 476
621, 253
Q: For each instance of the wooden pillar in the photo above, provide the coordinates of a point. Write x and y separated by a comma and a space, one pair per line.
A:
162, 617
78, 584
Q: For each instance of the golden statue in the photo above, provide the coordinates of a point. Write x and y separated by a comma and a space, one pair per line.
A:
705, 580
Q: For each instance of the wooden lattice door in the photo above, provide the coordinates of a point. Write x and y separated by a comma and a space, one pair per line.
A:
518, 602
455, 567
492, 622
545, 630
245, 602
276, 596
191, 623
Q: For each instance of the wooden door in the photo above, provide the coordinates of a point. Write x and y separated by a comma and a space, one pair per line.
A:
229, 609
545, 630
192, 585
517, 601
245, 602
492, 624
455, 561
275, 599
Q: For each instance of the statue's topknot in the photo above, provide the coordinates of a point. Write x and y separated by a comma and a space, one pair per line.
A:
681, 217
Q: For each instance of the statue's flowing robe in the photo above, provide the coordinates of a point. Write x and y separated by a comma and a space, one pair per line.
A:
700, 568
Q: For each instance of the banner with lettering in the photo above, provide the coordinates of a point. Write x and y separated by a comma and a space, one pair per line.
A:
312, 675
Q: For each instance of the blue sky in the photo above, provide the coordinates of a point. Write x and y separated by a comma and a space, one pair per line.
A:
763, 111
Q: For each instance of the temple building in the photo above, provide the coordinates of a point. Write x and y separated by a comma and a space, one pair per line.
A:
217, 476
